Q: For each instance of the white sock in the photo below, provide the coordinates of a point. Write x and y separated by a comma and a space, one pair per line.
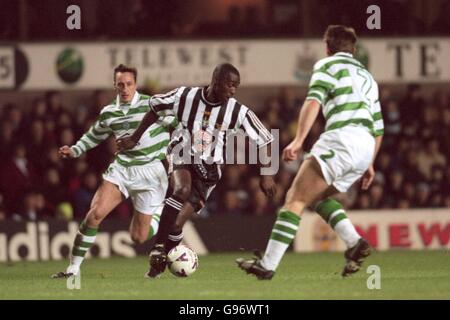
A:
347, 232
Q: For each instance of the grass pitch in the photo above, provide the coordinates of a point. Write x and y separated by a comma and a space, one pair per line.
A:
404, 275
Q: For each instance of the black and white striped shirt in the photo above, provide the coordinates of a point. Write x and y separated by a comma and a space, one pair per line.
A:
211, 123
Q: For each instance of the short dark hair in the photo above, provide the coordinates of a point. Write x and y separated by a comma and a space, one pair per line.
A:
124, 68
340, 38
223, 69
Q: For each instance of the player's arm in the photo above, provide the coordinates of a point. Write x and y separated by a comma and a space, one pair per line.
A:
307, 116
320, 85
92, 138
267, 182
161, 106
259, 134
378, 131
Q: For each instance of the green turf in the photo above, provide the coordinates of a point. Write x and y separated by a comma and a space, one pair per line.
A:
404, 275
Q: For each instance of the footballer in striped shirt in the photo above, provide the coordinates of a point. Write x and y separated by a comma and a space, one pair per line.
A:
207, 116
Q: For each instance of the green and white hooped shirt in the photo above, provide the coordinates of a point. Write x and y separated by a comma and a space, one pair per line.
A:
122, 119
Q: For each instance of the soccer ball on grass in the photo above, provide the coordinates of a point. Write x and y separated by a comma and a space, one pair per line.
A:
182, 261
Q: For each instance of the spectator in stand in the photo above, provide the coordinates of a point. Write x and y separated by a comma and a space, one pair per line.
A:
412, 101
32, 207
14, 116
6, 139
36, 144
85, 193
3, 214
411, 165
429, 157
409, 192
53, 101
17, 176
363, 202
53, 193
75, 176
422, 196
392, 124
394, 187
231, 203
377, 201
447, 201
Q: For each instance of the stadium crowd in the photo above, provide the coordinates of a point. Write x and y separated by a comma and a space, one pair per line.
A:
412, 166
139, 19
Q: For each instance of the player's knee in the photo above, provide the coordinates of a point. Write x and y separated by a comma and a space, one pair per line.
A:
96, 214
138, 237
182, 192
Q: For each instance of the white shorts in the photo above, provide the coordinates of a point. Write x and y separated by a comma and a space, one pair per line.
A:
146, 185
344, 155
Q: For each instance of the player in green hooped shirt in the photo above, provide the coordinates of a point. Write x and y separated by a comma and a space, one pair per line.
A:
347, 95
139, 173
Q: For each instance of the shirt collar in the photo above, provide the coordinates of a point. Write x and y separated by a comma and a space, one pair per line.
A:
345, 54
133, 101
203, 96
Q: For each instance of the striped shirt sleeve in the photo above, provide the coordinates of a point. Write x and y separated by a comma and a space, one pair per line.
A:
164, 104
95, 135
378, 123
256, 131
320, 85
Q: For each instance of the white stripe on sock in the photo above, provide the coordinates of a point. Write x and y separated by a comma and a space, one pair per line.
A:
89, 239
285, 234
175, 238
287, 224
334, 214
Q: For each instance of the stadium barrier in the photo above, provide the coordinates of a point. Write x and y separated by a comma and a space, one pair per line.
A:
385, 229
87, 65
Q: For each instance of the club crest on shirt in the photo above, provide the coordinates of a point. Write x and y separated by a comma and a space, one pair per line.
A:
126, 125
201, 140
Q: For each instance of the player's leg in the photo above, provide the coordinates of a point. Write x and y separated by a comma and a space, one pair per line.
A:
147, 211
176, 235
106, 198
334, 214
181, 186
307, 187
181, 181
141, 227
197, 200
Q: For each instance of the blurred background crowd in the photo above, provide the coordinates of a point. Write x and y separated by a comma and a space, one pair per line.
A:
25, 20
412, 166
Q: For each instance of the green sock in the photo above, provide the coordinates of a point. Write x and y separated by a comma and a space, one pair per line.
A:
83, 242
334, 214
283, 232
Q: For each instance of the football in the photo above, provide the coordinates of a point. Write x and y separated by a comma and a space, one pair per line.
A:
182, 261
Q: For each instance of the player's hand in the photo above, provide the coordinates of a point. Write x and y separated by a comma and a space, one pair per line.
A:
65, 152
367, 178
292, 151
125, 143
268, 186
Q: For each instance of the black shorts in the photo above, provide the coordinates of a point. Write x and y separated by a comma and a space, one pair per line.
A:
202, 184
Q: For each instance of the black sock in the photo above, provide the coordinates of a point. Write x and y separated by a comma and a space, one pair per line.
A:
172, 207
174, 239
